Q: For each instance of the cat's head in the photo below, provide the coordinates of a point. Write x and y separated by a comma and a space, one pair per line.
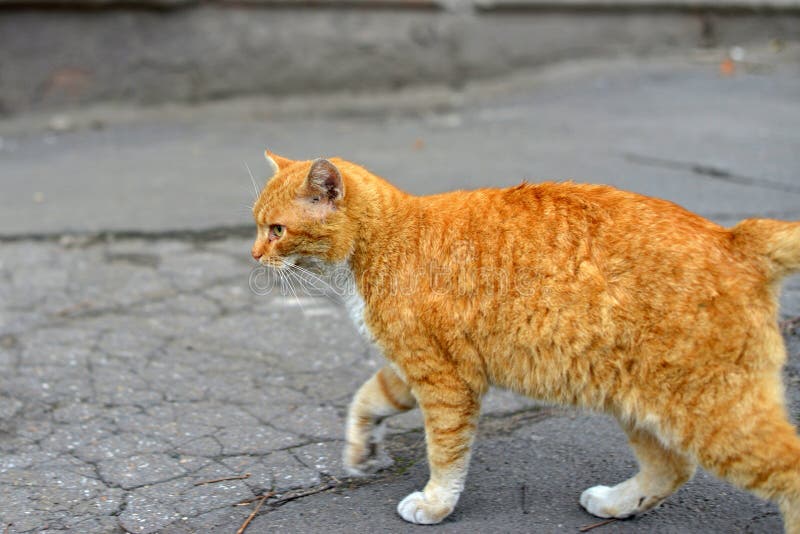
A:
301, 214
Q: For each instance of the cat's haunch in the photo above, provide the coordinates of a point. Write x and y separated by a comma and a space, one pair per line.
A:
576, 294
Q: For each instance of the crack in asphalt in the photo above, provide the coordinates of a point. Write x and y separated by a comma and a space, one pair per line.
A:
713, 172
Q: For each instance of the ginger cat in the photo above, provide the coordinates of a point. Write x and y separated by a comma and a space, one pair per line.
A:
576, 294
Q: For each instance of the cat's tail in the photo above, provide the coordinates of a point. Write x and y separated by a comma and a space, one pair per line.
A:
777, 242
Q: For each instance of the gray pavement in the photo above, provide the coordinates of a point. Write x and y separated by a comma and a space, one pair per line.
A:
135, 361
723, 147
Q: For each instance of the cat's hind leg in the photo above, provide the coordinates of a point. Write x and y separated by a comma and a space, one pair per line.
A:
752, 444
384, 394
661, 472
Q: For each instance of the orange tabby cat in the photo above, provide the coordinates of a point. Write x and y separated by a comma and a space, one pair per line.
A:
570, 293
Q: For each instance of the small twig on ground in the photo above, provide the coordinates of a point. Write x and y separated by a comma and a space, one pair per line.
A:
288, 497
252, 514
283, 500
223, 479
247, 502
523, 490
587, 528
278, 502
300, 494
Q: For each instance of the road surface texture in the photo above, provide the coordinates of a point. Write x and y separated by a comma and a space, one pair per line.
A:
136, 362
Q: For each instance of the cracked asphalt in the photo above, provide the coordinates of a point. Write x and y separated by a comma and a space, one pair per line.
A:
136, 362
133, 370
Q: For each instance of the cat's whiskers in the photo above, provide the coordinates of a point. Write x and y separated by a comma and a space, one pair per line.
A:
301, 272
286, 272
307, 271
285, 285
294, 292
253, 181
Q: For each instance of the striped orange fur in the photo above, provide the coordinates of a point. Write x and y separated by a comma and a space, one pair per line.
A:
577, 294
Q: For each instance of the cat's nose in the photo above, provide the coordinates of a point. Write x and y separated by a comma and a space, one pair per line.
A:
257, 252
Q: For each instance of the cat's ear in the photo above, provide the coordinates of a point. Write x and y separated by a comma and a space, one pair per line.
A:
272, 165
275, 162
324, 182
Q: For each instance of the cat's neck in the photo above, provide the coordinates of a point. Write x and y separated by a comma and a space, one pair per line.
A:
382, 214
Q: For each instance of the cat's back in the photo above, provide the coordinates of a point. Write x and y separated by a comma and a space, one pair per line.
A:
641, 239
567, 230
569, 212
549, 200
601, 205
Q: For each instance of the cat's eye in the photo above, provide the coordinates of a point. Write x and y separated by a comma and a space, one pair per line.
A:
276, 231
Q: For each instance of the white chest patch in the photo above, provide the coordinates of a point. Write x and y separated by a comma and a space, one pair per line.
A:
343, 283
355, 305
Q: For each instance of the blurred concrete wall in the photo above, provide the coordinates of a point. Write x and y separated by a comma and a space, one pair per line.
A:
56, 53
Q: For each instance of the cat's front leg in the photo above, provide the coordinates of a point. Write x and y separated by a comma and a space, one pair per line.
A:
384, 394
451, 411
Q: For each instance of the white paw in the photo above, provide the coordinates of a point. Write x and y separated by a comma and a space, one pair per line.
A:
597, 501
416, 509
621, 501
